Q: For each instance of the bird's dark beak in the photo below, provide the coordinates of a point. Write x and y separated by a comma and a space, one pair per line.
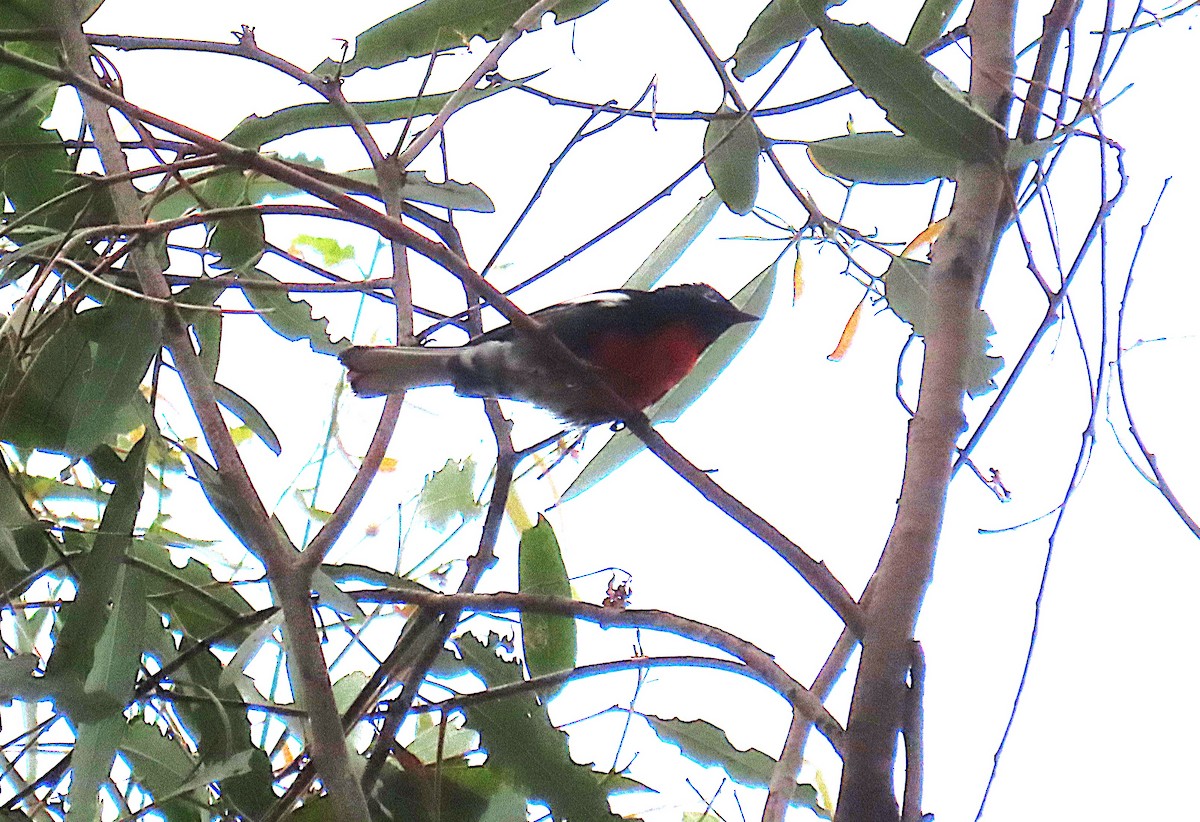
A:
740, 317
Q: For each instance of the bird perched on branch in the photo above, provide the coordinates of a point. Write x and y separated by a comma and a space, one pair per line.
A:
640, 343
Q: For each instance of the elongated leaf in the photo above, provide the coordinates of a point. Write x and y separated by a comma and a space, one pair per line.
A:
930, 23
524, 746
706, 744
440, 25
679, 240
197, 603
223, 732
254, 131
918, 99
24, 542
99, 574
752, 298
248, 414
288, 317
101, 646
732, 143
76, 392
160, 764
880, 157
780, 24
548, 640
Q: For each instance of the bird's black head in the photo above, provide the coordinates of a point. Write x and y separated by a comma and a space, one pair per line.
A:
701, 304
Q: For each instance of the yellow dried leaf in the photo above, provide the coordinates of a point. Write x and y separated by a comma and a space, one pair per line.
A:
928, 236
388, 464
847, 333
797, 277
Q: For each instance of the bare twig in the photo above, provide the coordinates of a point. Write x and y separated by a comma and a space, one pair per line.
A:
1160, 481
526, 22
761, 662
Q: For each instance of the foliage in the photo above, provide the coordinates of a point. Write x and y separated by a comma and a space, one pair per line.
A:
160, 603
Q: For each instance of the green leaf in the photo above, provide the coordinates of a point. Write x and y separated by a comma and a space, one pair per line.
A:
906, 287
524, 746
880, 157
707, 745
17, 679
417, 188
930, 23
289, 317
415, 795
332, 252
227, 503
160, 765
207, 325
547, 640
254, 131
672, 247
623, 446
732, 143
251, 416
34, 164
24, 542
452, 740
777, 26
238, 241
103, 647
918, 99
78, 390
196, 602
91, 762
99, 576
223, 732
440, 25
449, 492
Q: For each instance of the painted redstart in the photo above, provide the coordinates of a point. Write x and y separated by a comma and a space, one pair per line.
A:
641, 344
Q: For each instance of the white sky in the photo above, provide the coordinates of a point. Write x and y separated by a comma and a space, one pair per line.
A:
814, 446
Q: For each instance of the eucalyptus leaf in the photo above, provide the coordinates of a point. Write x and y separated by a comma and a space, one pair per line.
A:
732, 143
880, 157
918, 99
679, 240
780, 24
438, 26
548, 640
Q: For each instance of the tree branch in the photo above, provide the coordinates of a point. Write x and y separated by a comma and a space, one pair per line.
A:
961, 260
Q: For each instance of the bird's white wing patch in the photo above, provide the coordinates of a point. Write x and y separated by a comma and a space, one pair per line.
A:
601, 299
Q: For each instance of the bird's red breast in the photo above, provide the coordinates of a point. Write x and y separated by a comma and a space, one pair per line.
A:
642, 368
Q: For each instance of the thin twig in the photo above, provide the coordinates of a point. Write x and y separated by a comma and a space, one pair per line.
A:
1160, 481
526, 22
762, 663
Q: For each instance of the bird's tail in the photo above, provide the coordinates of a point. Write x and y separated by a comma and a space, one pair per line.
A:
375, 371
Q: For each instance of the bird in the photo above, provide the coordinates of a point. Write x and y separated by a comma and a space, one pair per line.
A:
639, 343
